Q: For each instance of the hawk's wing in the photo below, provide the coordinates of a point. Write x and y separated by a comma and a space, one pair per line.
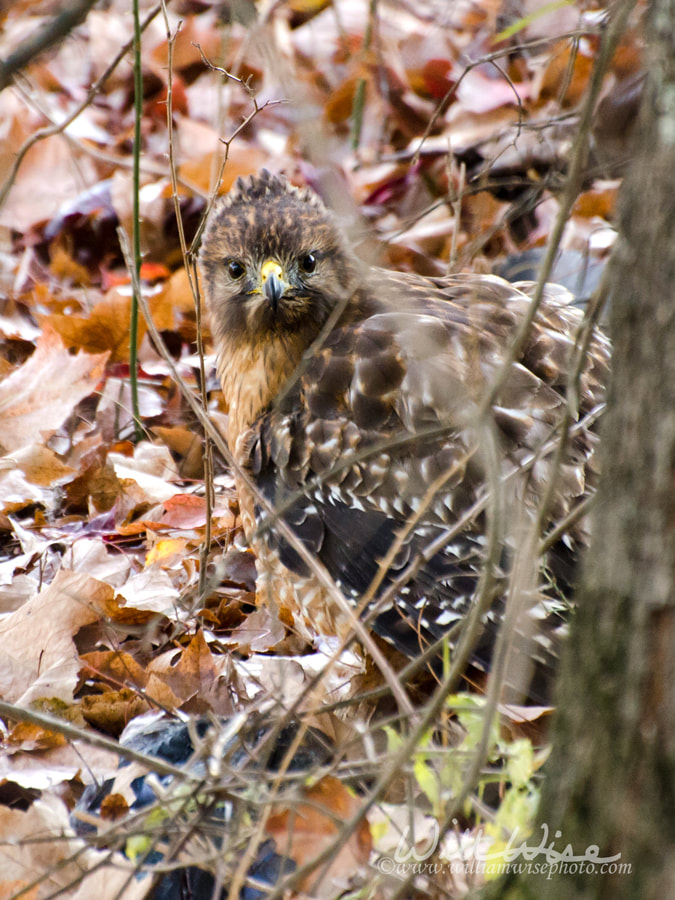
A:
378, 450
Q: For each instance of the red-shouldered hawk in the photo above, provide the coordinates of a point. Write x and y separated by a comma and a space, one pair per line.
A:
357, 405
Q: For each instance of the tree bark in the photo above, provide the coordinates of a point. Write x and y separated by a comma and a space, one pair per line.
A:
611, 780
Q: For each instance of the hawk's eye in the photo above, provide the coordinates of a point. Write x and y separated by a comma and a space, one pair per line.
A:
235, 269
308, 263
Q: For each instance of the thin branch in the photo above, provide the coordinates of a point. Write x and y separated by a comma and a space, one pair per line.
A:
59, 726
246, 85
359, 102
136, 233
60, 127
191, 272
608, 45
43, 38
487, 58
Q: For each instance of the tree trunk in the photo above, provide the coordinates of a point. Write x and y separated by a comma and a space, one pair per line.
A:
611, 780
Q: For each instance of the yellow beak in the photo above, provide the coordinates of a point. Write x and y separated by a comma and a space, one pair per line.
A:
272, 281
271, 268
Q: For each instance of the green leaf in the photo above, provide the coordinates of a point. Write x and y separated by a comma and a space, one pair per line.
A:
520, 765
523, 23
428, 781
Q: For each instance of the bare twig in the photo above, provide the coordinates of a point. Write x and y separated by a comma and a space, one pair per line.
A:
136, 234
60, 127
257, 109
455, 197
486, 58
608, 44
359, 101
59, 726
190, 269
47, 35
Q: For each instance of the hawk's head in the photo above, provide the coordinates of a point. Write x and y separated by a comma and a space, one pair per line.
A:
273, 262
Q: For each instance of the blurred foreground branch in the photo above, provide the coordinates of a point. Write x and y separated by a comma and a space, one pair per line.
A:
44, 37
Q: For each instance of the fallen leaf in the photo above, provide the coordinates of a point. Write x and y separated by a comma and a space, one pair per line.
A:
16, 492
48, 176
196, 678
113, 667
27, 737
151, 590
37, 398
41, 465
37, 653
187, 446
600, 201
568, 69
260, 632
23, 855
106, 328
312, 824
166, 552
111, 711
185, 511
97, 485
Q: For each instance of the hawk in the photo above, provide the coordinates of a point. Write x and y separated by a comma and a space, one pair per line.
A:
385, 422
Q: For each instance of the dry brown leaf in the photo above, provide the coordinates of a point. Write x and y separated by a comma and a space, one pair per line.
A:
146, 482
186, 445
16, 492
202, 164
151, 466
28, 738
260, 632
63, 266
159, 691
14, 325
111, 711
310, 826
110, 880
46, 769
339, 105
434, 79
106, 328
41, 466
178, 292
10, 889
600, 201
37, 653
151, 590
567, 73
113, 667
97, 485
37, 398
25, 851
96, 558
166, 552
49, 175
196, 678
113, 807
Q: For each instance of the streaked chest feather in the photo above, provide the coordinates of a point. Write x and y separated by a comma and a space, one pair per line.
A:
252, 377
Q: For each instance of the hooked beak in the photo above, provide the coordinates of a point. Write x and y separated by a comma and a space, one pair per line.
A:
272, 282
